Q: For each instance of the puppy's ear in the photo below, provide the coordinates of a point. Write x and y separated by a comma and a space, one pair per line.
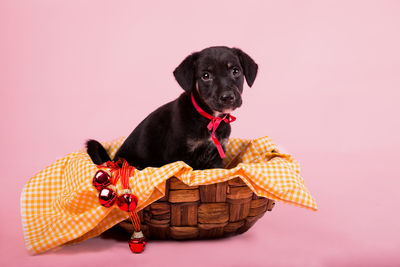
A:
249, 66
184, 73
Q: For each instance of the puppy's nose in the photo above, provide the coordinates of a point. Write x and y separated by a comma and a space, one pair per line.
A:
227, 98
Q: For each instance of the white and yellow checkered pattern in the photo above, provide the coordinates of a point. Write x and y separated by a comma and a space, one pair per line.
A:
59, 205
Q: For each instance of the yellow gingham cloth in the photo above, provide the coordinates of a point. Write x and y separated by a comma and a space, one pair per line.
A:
59, 205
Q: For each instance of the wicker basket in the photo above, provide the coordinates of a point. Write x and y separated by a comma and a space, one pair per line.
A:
202, 212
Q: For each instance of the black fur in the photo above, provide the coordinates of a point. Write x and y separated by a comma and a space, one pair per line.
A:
97, 152
176, 131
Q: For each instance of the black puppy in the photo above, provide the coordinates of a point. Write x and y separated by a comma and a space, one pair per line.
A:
213, 81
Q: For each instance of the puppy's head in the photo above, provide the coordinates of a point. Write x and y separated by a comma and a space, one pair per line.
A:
217, 73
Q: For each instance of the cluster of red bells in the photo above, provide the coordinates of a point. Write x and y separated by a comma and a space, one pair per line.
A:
125, 201
108, 193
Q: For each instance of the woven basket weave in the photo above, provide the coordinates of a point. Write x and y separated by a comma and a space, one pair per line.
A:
202, 212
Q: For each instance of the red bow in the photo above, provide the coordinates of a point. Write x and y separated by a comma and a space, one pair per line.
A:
213, 125
120, 169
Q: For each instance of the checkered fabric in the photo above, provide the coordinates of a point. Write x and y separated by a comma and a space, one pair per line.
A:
59, 205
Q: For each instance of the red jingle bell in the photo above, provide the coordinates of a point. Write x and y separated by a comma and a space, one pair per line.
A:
137, 245
101, 179
137, 242
107, 196
127, 202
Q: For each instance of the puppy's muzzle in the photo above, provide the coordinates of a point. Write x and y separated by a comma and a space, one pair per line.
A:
230, 99
227, 98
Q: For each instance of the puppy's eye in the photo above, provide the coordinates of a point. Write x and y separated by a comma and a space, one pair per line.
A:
206, 76
235, 72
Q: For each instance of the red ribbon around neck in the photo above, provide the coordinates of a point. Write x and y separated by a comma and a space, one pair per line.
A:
213, 125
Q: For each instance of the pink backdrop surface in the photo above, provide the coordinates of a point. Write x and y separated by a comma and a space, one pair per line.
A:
328, 91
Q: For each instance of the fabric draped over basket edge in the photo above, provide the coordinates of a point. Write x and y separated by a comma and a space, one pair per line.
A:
60, 206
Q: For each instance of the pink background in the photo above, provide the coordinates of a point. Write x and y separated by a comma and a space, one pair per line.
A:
328, 90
